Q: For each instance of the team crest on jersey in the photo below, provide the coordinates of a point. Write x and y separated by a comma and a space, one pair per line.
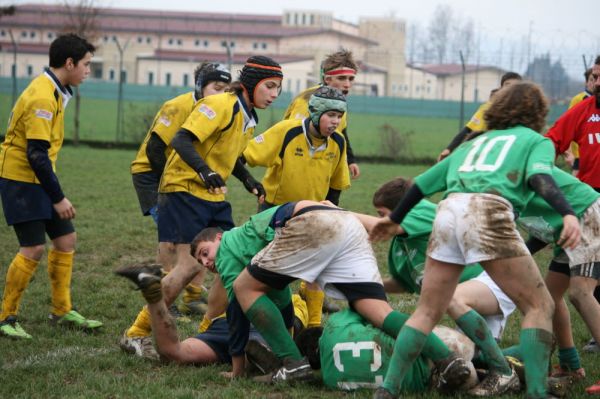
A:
594, 118
299, 152
475, 120
541, 166
44, 114
165, 121
259, 139
207, 111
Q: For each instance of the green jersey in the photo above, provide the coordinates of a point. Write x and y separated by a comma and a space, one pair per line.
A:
497, 162
542, 221
355, 354
240, 244
406, 257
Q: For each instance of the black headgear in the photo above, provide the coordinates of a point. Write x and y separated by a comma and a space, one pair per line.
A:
257, 69
211, 72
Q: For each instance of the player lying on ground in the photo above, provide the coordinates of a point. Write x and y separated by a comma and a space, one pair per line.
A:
486, 180
313, 242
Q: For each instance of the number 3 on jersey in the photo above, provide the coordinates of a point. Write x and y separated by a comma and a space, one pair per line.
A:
479, 158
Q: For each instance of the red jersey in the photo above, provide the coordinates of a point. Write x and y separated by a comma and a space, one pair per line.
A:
581, 124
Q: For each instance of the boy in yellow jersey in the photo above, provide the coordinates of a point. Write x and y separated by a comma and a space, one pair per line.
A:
149, 163
305, 158
339, 71
477, 122
32, 198
205, 152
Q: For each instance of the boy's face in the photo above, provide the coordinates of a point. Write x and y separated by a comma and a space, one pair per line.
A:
78, 73
214, 87
383, 211
341, 82
329, 121
206, 252
266, 92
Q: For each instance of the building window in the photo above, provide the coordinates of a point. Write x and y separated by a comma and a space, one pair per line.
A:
186, 79
255, 45
124, 76
298, 86
171, 41
105, 38
32, 34
96, 70
29, 70
111, 74
264, 46
23, 34
50, 35
179, 42
140, 39
148, 40
206, 43
197, 43
288, 85
150, 78
168, 79
2, 33
13, 70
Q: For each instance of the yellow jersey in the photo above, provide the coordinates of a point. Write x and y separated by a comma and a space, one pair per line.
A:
223, 125
298, 108
298, 166
166, 123
38, 114
477, 123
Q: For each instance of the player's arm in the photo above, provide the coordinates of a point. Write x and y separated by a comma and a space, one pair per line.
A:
369, 222
239, 330
456, 141
392, 286
183, 144
544, 185
250, 183
155, 151
387, 227
37, 156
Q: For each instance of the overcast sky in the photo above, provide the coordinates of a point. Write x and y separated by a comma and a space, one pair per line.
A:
565, 28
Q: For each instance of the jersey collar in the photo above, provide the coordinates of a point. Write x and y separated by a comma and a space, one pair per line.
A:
250, 117
65, 91
311, 148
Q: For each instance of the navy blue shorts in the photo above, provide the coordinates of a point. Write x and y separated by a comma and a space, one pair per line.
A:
181, 216
217, 337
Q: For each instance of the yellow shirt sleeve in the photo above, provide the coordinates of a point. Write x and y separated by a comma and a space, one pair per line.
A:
168, 122
477, 123
206, 119
263, 150
39, 119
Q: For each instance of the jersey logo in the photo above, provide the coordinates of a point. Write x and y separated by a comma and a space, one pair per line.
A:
475, 120
299, 152
43, 114
208, 111
594, 118
165, 121
592, 136
259, 139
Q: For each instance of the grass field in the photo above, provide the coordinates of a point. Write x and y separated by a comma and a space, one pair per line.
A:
111, 232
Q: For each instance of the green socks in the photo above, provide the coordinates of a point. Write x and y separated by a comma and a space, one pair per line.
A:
535, 347
568, 358
267, 319
407, 348
514, 351
434, 348
475, 327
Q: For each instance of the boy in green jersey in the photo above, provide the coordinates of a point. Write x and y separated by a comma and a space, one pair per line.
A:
486, 180
577, 270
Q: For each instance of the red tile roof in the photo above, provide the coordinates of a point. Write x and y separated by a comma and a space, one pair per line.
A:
195, 56
452, 69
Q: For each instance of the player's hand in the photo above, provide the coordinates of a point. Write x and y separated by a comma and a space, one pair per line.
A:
212, 180
443, 154
354, 170
383, 230
255, 187
570, 236
65, 209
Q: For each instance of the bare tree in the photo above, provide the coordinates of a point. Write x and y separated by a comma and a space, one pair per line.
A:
439, 31
463, 39
81, 19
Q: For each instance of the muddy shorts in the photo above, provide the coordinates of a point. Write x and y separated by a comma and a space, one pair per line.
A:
584, 260
472, 228
326, 246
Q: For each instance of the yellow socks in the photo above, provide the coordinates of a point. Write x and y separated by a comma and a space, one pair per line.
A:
142, 326
314, 303
191, 293
60, 268
17, 279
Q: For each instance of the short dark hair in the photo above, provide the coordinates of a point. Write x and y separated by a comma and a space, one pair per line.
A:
339, 59
509, 76
69, 46
207, 234
587, 74
391, 193
597, 61
523, 104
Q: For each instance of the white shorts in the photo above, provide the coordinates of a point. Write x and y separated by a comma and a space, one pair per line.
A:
326, 246
472, 228
585, 258
496, 323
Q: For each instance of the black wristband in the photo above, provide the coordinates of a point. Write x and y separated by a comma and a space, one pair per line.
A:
412, 198
546, 187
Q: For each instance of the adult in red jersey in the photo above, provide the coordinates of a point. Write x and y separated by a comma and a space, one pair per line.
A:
581, 124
